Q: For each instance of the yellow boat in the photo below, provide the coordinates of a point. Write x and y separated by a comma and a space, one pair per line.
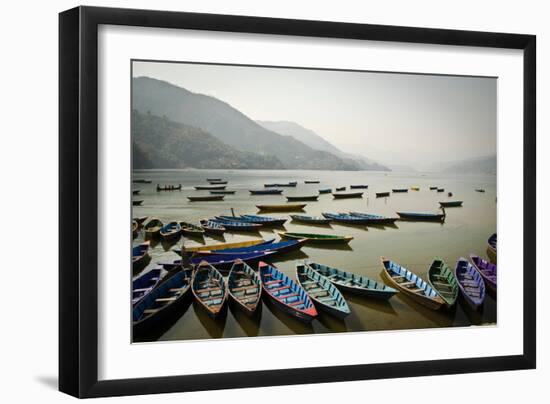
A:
415, 188
223, 246
283, 208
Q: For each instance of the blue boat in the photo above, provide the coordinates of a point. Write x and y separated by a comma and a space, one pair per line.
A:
470, 282
353, 283
162, 303
222, 262
345, 218
279, 248
140, 257
244, 287
257, 219
219, 247
142, 285
323, 293
265, 191
325, 191
286, 294
170, 231
237, 225
211, 227
492, 248
310, 219
278, 185
374, 219
209, 288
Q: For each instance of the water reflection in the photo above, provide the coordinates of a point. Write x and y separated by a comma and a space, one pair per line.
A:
250, 324
214, 326
293, 324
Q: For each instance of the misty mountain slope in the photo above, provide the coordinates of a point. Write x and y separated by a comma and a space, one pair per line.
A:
475, 165
161, 143
313, 140
229, 125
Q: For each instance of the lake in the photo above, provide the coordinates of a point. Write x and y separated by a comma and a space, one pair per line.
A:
411, 244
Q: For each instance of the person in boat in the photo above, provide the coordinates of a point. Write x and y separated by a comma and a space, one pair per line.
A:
185, 261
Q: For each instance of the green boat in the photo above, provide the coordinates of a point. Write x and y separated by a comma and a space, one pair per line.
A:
316, 238
443, 280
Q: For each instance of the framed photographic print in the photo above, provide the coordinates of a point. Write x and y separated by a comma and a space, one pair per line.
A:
267, 200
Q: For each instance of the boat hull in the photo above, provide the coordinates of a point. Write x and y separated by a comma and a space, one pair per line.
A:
281, 208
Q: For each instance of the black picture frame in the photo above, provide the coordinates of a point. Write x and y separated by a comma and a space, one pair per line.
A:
78, 207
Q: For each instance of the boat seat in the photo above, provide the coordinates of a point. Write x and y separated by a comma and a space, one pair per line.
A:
287, 296
240, 289
278, 289
208, 289
320, 294
177, 289
417, 290
297, 303
141, 290
166, 299
407, 284
150, 311
272, 282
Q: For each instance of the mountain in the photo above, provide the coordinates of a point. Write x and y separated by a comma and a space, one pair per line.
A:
161, 143
230, 126
476, 165
313, 140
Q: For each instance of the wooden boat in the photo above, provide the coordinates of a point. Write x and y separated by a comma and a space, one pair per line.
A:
470, 282
312, 182
211, 227
286, 294
152, 227
222, 192
422, 216
222, 262
411, 284
263, 220
244, 286
140, 220
209, 288
345, 218
443, 280
170, 231
374, 219
161, 303
218, 182
237, 225
206, 198
450, 194
222, 246
316, 238
342, 195
492, 248
209, 187
277, 248
440, 189
140, 257
310, 219
433, 188
134, 229
169, 188
275, 185
415, 188
138, 181
382, 194
191, 229
480, 190
450, 204
145, 283
302, 198
340, 189
487, 270
282, 208
400, 190
353, 283
213, 179
136, 191
358, 186
325, 191
324, 294
265, 191
137, 202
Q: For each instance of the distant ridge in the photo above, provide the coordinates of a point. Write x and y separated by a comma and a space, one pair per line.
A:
474, 165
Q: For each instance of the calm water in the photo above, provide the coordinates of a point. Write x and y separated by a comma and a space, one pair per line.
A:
411, 244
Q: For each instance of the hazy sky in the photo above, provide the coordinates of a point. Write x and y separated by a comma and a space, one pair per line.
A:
391, 118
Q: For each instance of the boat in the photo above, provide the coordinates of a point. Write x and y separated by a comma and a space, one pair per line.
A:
374, 219
161, 303
152, 227
222, 262
213, 179
135, 227
170, 231
191, 229
450, 204
209, 187
310, 219
340, 189
278, 248
382, 194
136, 191
400, 190
443, 280
353, 283
480, 190
275, 185
140, 257
244, 287
358, 186
222, 192
345, 218
236, 224
217, 182
211, 227
316, 238
325, 191
209, 288
487, 270
302, 198
145, 283
450, 194
265, 191
140, 220
470, 282
440, 189
415, 188
433, 188
286, 294
222, 246
492, 248
206, 198
169, 188
264, 220
411, 284
282, 208
139, 181
137, 202
342, 195
422, 216
324, 294
312, 182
